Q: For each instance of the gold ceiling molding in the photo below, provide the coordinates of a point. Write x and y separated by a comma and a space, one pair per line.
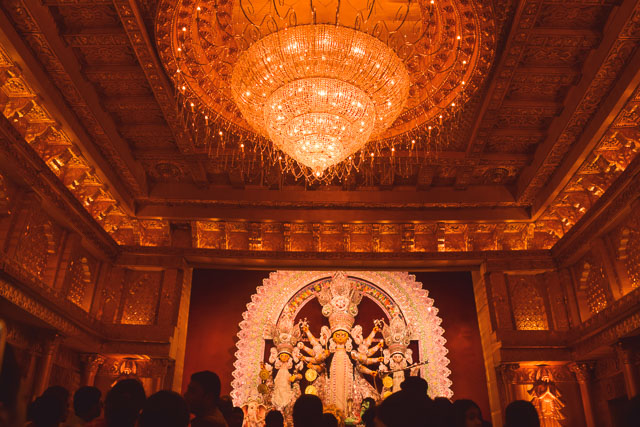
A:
22, 106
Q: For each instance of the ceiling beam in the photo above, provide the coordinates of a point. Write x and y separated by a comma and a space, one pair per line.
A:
549, 154
475, 203
38, 78
412, 261
598, 125
566, 32
117, 149
489, 195
19, 159
526, 12
162, 88
380, 215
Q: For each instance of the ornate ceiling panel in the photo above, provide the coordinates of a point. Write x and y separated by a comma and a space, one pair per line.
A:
548, 132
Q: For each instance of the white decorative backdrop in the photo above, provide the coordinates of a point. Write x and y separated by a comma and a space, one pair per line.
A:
272, 297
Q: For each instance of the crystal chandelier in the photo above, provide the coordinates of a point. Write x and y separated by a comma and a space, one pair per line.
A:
326, 91
319, 92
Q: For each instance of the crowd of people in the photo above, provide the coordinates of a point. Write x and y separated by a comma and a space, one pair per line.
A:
126, 405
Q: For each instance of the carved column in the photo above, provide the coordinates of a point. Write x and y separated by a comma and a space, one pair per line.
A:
508, 375
49, 352
583, 372
92, 363
625, 356
158, 369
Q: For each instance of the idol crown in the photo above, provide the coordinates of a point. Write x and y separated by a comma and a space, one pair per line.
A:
339, 300
285, 335
397, 335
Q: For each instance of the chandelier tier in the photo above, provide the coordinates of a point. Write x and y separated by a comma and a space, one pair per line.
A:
319, 92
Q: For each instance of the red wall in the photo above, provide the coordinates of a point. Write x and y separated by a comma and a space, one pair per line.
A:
219, 297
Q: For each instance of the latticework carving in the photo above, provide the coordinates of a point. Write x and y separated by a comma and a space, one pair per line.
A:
594, 285
631, 255
141, 300
79, 281
528, 305
35, 243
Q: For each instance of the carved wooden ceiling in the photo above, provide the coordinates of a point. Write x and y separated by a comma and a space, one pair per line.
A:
554, 125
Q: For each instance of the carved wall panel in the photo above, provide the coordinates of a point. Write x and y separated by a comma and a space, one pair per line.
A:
360, 238
140, 300
302, 238
209, 234
272, 237
626, 239
529, 308
592, 286
35, 243
237, 235
390, 239
331, 238
81, 281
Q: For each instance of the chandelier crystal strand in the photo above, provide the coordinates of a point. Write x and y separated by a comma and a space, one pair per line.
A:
319, 92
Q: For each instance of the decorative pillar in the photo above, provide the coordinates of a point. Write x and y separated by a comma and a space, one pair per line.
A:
92, 363
158, 369
49, 352
508, 374
625, 356
583, 372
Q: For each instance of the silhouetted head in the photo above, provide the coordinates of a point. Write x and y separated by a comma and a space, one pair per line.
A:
274, 418
405, 409
633, 412
164, 409
47, 411
465, 413
415, 385
521, 413
307, 411
236, 417
62, 395
203, 392
329, 420
442, 409
86, 403
123, 403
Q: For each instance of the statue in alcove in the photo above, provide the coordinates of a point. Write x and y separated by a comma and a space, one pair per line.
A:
343, 366
547, 399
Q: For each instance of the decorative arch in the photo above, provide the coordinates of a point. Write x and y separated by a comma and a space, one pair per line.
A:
284, 288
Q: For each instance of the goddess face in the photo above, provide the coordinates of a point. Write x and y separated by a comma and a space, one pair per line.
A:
284, 357
340, 337
397, 357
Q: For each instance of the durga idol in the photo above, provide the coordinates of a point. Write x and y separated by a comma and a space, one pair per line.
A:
345, 386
